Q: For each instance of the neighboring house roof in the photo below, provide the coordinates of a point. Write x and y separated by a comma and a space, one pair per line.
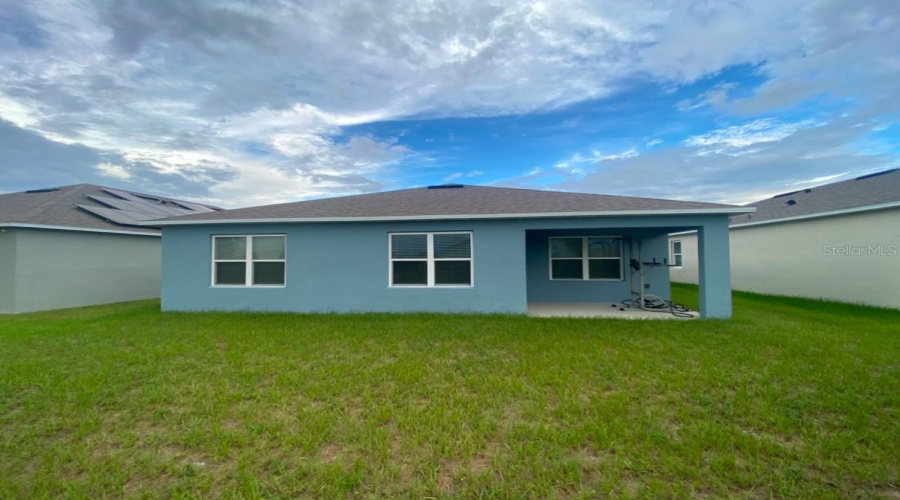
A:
92, 208
871, 191
453, 201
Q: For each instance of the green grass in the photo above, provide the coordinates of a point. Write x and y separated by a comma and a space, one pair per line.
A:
792, 398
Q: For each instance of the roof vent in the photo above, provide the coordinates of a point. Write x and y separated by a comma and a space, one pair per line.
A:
47, 190
446, 186
790, 202
876, 174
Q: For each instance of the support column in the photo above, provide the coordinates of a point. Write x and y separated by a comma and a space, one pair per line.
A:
714, 260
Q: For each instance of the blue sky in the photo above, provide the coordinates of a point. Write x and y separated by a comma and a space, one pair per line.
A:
243, 103
641, 117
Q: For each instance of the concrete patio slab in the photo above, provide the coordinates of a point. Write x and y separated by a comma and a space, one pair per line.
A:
598, 310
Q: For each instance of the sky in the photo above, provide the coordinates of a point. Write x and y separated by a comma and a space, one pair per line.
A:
241, 103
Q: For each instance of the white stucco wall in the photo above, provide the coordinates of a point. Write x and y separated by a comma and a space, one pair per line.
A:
689, 272
7, 270
803, 258
57, 269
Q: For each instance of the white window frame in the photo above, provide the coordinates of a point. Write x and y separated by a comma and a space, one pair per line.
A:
248, 261
430, 259
672, 253
585, 259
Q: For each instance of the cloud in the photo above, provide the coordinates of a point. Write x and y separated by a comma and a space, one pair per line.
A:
457, 175
246, 102
823, 179
848, 52
205, 25
116, 171
718, 95
580, 164
624, 155
737, 138
739, 166
837, 51
31, 160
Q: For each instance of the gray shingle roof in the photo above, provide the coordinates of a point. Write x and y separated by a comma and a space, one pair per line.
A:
82, 206
872, 189
449, 201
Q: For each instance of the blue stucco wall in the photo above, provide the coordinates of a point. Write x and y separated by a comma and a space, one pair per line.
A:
714, 259
343, 267
542, 289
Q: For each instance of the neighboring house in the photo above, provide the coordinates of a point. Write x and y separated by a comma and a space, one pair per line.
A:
448, 248
80, 245
838, 241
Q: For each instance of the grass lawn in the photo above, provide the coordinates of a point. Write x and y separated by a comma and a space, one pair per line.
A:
792, 398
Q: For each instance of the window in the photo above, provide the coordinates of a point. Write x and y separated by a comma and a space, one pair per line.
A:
257, 260
676, 253
585, 258
431, 259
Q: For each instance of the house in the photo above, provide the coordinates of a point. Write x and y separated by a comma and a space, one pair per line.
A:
839, 241
80, 245
447, 248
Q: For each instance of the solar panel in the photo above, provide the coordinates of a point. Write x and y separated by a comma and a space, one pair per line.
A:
174, 211
158, 204
195, 207
122, 194
129, 205
129, 208
118, 216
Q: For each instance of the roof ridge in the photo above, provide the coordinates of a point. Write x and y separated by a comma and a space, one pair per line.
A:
864, 178
474, 201
360, 195
98, 186
875, 189
50, 202
577, 193
476, 186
